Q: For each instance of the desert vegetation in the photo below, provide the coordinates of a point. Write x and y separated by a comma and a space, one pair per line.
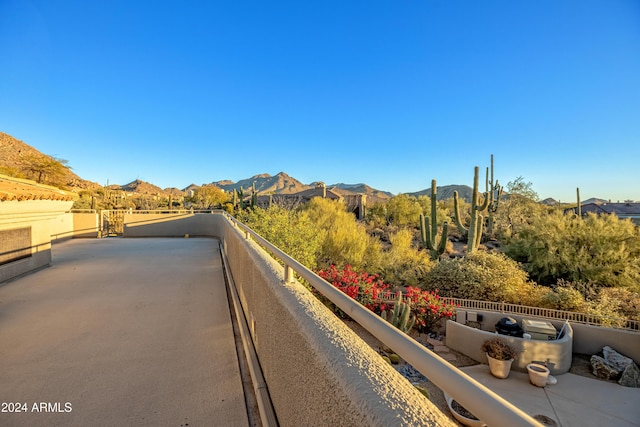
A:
532, 254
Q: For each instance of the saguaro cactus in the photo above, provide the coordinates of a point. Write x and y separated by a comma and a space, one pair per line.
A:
579, 207
400, 316
241, 198
494, 189
429, 228
474, 231
254, 196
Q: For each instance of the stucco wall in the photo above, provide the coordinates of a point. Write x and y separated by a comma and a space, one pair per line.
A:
85, 225
39, 215
171, 225
557, 353
586, 339
61, 227
318, 371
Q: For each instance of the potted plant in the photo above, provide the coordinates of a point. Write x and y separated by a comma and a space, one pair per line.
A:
500, 355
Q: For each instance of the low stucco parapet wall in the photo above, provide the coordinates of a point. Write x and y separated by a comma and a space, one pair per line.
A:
85, 225
176, 224
590, 339
557, 353
318, 371
587, 339
40, 217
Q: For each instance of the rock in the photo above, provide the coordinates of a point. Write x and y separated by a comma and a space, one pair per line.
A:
631, 376
434, 342
602, 369
411, 373
616, 360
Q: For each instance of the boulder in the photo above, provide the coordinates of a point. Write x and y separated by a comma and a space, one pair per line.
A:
615, 359
630, 376
602, 369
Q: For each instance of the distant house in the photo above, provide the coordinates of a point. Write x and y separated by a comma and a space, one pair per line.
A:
621, 210
355, 203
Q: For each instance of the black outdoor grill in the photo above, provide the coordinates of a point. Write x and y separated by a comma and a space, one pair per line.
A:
509, 326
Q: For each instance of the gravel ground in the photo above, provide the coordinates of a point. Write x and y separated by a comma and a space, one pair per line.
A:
435, 394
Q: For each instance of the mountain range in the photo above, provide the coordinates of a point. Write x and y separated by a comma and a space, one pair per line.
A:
14, 153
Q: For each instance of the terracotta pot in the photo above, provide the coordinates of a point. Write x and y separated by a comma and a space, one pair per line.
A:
499, 368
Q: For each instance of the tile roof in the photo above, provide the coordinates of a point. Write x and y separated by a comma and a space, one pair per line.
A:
23, 189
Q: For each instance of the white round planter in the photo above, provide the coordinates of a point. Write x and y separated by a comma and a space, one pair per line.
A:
461, 418
499, 368
538, 374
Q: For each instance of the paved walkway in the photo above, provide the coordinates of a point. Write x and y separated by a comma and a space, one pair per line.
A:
575, 401
121, 332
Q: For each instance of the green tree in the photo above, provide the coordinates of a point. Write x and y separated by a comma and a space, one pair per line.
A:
403, 211
209, 197
517, 209
45, 169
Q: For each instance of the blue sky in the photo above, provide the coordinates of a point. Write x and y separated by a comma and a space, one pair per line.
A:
390, 93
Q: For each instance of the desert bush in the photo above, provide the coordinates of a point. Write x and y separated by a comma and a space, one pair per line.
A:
342, 239
600, 249
403, 211
482, 276
376, 215
402, 264
291, 232
623, 302
563, 298
516, 210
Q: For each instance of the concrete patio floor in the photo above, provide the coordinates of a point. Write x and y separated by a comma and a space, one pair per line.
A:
121, 332
575, 401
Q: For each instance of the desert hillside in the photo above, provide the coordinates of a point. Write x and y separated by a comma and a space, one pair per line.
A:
21, 160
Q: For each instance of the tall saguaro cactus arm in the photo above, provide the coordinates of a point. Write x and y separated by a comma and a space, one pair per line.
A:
474, 231
254, 195
579, 205
429, 228
494, 189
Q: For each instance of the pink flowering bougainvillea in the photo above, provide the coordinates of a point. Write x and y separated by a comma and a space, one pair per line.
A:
370, 291
429, 308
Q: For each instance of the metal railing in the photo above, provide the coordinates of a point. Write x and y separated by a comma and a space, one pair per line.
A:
548, 313
481, 401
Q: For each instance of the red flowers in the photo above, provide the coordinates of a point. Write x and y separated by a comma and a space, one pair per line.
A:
370, 291
428, 308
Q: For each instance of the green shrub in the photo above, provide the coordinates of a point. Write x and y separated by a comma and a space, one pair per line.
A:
623, 302
482, 276
291, 232
600, 249
563, 298
403, 211
402, 264
342, 239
